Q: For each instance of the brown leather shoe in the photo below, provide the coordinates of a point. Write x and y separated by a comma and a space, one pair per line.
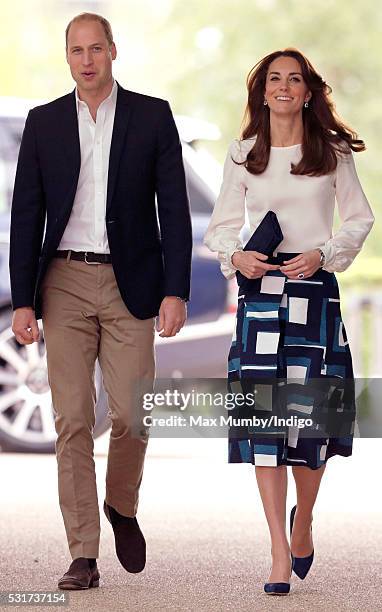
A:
79, 576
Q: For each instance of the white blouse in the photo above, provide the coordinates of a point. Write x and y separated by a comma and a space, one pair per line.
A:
304, 206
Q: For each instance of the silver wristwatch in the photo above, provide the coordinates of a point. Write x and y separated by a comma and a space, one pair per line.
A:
322, 258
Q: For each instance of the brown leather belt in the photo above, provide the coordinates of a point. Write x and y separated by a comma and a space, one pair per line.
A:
86, 256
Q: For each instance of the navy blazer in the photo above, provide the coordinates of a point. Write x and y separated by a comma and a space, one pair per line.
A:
150, 260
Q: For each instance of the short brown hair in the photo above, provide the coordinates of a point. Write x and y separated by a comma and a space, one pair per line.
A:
91, 17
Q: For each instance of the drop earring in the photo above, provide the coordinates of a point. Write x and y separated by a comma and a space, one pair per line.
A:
265, 103
306, 104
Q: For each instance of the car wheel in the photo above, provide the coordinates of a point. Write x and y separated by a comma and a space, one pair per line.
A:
26, 411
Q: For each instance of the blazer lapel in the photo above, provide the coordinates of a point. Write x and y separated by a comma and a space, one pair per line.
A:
121, 119
69, 133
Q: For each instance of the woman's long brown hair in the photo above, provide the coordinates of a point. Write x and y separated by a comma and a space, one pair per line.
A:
324, 132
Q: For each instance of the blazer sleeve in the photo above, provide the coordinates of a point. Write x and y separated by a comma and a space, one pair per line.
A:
28, 213
173, 207
228, 217
355, 213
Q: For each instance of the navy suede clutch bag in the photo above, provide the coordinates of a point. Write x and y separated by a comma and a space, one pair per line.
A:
265, 239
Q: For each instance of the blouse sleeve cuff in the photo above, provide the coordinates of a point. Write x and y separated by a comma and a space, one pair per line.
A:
225, 258
329, 251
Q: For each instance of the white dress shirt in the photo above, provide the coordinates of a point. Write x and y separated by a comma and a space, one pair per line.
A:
304, 206
86, 228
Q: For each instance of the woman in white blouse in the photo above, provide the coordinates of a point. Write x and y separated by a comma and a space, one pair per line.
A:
294, 158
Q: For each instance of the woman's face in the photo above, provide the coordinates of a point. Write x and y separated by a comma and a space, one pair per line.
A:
285, 89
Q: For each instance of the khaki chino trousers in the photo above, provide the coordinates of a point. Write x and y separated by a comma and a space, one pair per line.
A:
84, 317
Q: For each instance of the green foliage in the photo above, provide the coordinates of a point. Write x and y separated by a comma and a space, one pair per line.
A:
364, 273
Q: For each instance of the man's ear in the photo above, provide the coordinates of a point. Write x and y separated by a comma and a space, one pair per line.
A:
113, 50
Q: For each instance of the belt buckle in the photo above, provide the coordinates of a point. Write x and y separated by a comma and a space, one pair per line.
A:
91, 263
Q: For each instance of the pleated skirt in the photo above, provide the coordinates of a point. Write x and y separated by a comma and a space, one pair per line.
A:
290, 350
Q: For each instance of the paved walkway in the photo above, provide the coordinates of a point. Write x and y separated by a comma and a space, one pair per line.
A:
208, 546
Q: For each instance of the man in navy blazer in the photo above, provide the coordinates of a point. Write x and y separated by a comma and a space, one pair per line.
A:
91, 166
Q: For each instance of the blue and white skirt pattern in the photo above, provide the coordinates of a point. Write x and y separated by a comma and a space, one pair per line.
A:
287, 331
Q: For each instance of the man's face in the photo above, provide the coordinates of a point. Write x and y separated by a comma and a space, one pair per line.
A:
89, 55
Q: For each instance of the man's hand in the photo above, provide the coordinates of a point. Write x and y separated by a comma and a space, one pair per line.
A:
172, 316
24, 325
250, 263
308, 263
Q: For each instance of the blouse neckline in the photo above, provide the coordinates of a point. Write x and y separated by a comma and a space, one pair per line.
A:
290, 146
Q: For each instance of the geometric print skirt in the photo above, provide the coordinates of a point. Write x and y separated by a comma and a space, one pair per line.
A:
290, 355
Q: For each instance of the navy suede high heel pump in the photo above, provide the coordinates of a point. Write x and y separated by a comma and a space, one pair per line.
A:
301, 565
278, 588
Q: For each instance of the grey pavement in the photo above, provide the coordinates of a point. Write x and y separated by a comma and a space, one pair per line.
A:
207, 540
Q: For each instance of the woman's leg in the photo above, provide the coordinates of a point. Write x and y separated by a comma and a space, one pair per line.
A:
272, 483
307, 486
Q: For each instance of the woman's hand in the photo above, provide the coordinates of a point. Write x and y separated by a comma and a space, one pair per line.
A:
308, 263
250, 263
